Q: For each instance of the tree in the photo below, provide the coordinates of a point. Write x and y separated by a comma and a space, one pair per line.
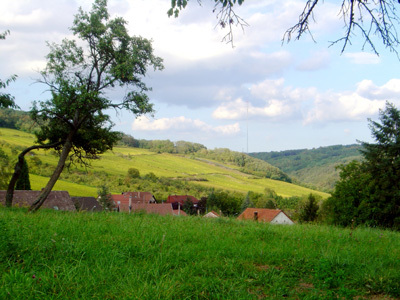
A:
79, 78
188, 207
133, 173
368, 192
309, 211
367, 17
246, 202
342, 208
5, 169
6, 100
23, 182
104, 198
383, 164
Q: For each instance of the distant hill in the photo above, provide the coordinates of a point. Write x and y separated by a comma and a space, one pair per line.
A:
160, 173
313, 167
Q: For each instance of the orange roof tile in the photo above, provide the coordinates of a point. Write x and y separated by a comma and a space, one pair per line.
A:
264, 214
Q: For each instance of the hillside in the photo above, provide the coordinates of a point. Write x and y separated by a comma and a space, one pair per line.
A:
160, 173
314, 167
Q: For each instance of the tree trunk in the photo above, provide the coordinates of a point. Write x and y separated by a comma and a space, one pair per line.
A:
56, 174
18, 168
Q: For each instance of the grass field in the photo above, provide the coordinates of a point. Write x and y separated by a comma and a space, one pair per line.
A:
121, 159
39, 182
64, 255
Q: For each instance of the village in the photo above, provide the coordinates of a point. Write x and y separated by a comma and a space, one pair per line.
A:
141, 202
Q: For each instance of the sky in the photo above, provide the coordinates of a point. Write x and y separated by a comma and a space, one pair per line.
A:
259, 95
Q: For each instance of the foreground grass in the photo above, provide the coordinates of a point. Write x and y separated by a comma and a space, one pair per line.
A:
56, 255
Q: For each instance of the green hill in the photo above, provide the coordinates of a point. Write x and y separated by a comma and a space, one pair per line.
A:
314, 167
160, 173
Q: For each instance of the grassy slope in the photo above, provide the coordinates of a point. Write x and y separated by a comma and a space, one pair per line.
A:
174, 166
56, 255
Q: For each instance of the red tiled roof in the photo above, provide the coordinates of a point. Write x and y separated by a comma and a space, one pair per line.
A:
181, 199
152, 208
59, 200
264, 214
137, 197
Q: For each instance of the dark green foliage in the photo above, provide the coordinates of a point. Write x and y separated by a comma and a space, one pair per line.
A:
188, 207
133, 173
16, 119
6, 100
5, 170
369, 192
104, 198
312, 167
246, 203
227, 203
344, 207
270, 204
309, 211
246, 163
23, 182
151, 177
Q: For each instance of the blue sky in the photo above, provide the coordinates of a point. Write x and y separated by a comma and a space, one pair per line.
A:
261, 95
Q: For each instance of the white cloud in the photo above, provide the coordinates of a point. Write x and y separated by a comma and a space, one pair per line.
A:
363, 58
334, 107
240, 109
182, 125
278, 102
389, 91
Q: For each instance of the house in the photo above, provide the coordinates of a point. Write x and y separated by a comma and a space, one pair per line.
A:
125, 198
211, 214
179, 200
57, 200
273, 216
152, 208
86, 204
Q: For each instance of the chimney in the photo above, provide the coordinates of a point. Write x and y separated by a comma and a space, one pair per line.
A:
255, 215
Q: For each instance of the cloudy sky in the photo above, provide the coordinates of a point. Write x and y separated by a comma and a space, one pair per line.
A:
261, 95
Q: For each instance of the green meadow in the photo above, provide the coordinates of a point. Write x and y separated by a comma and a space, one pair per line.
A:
65, 255
121, 159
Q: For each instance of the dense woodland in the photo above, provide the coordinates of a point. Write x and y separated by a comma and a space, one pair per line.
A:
314, 167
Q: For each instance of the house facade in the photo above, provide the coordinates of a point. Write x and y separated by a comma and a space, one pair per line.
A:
273, 216
177, 201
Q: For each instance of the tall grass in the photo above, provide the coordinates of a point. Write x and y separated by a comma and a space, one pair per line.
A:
63, 255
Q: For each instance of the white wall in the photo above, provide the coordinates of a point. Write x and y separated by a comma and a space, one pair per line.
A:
281, 218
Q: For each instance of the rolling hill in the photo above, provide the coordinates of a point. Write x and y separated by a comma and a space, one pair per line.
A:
161, 173
312, 167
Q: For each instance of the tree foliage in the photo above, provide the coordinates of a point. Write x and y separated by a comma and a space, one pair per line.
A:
6, 100
79, 74
368, 192
23, 182
104, 198
5, 169
309, 211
